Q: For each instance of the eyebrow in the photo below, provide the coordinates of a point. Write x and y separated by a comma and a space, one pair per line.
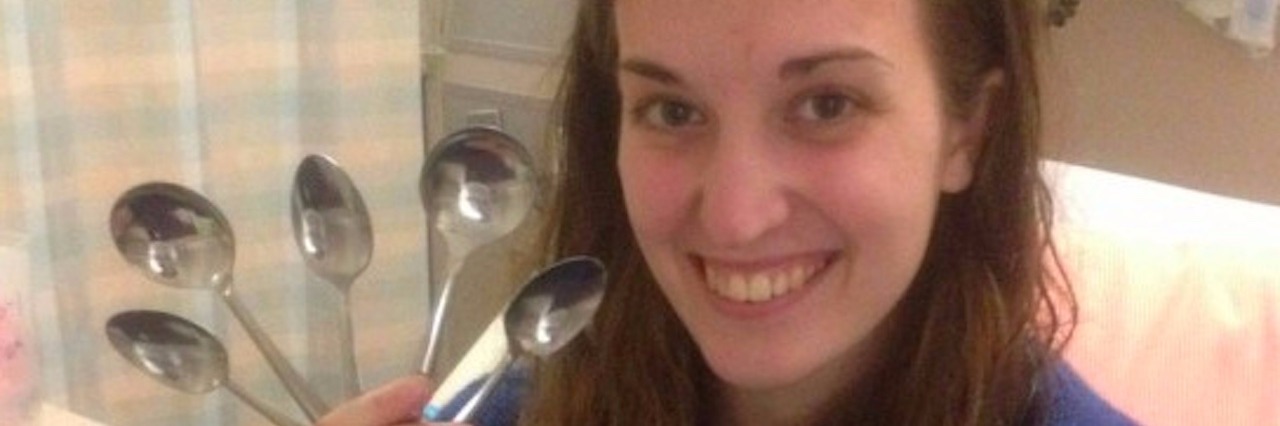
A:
806, 64
791, 68
650, 70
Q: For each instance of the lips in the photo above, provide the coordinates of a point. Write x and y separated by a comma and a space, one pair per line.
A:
760, 285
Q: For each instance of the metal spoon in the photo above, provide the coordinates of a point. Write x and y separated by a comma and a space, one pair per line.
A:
477, 185
180, 239
181, 355
545, 316
332, 229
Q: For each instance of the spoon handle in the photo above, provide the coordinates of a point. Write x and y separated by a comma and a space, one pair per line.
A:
429, 363
306, 398
276, 417
350, 372
440, 267
468, 410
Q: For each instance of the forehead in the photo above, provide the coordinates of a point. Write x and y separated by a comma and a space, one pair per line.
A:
764, 30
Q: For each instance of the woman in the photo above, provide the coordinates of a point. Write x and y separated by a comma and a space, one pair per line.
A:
817, 212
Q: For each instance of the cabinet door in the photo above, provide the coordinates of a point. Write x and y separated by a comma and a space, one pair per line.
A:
519, 30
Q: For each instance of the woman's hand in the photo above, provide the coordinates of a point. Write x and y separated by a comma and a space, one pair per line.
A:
397, 403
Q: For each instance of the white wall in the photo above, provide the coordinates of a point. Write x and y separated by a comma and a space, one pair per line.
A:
1144, 88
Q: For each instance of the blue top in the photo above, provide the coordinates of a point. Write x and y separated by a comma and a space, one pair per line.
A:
1074, 403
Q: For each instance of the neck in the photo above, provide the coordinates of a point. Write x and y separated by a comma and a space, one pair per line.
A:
798, 403
845, 379
766, 408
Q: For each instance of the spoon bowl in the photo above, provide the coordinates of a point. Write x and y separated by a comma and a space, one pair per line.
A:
477, 185
554, 306
175, 236
174, 351
180, 355
332, 229
331, 224
548, 313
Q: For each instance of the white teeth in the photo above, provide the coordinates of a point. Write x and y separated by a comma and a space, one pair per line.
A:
736, 288
759, 286
761, 289
781, 284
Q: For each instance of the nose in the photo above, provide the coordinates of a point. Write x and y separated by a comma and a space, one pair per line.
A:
743, 195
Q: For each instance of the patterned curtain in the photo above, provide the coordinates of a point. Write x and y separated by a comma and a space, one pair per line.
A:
226, 98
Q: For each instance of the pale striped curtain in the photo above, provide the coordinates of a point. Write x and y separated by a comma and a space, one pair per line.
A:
224, 97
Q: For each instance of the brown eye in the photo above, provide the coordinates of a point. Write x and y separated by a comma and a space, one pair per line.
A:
824, 107
671, 114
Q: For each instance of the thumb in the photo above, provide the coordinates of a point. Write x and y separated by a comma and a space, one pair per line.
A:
399, 401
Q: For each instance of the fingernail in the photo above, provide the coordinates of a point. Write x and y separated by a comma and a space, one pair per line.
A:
431, 412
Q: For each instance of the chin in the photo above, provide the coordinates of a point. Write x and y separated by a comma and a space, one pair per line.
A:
757, 370
755, 379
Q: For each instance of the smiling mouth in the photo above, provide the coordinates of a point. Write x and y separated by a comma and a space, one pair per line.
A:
761, 285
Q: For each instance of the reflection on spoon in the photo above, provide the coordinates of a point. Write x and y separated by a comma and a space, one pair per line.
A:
181, 355
180, 239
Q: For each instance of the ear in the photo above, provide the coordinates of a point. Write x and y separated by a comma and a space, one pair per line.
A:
966, 134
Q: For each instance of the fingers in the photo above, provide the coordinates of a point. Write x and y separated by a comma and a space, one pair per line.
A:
398, 402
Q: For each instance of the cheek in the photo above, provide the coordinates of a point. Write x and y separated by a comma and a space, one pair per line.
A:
887, 221
655, 188
892, 229
883, 205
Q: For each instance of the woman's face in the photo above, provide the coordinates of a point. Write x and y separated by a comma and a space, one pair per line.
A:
781, 163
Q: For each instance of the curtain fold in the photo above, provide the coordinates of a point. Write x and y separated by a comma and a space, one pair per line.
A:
226, 98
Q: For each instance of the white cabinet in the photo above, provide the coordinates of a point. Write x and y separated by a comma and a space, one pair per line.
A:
1249, 22
502, 57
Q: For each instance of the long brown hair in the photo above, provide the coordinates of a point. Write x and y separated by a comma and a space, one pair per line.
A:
980, 325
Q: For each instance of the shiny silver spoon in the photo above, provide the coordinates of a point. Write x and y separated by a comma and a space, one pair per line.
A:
546, 315
181, 355
332, 229
180, 239
477, 186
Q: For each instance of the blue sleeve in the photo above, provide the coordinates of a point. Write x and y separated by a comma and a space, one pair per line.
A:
503, 406
1076, 404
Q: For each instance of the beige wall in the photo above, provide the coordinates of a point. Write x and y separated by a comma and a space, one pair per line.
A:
1143, 88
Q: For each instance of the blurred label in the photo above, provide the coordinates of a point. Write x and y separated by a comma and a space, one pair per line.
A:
19, 369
